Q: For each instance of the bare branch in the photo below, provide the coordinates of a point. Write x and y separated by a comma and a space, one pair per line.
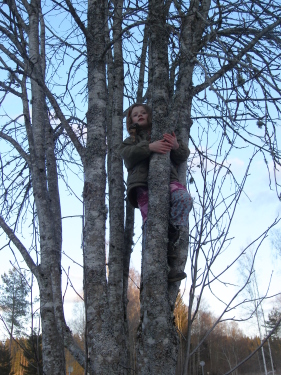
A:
27, 258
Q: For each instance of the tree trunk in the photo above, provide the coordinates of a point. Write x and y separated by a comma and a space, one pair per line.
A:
158, 340
44, 180
103, 354
116, 195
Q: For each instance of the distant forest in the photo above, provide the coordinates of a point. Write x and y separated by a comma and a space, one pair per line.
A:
223, 349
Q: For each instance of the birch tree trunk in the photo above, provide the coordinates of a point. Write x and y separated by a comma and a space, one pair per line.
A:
46, 195
103, 353
158, 342
116, 195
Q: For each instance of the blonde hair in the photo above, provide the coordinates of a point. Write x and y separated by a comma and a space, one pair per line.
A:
129, 120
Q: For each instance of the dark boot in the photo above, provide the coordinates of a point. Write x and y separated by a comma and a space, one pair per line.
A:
173, 236
174, 276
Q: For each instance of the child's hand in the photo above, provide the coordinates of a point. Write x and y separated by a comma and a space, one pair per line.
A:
171, 139
161, 147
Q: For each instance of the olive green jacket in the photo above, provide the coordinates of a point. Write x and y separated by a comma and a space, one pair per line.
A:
136, 154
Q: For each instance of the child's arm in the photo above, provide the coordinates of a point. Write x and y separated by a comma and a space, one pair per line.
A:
161, 147
133, 153
171, 139
179, 151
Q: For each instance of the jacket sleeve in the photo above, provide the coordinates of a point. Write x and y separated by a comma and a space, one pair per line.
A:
133, 153
181, 154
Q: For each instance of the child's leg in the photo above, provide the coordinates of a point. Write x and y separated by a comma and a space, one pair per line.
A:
142, 198
181, 204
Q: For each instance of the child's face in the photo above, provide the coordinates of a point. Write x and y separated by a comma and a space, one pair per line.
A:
140, 116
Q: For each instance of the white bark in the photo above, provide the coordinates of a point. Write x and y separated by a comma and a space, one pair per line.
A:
103, 352
44, 179
116, 193
158, 342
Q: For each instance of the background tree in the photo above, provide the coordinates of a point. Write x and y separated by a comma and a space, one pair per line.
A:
33, 354
13, 301
77, 322
203, 65
70, 360
273, 318
18, 358
181, 316
224, 348
133, 311
275, 342
5, 360
276, 240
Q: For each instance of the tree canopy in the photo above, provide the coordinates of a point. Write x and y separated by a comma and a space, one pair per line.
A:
5, 360
13, 301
